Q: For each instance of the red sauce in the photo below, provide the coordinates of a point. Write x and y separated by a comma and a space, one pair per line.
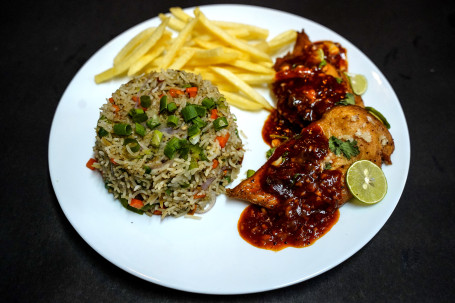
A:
305, 87
308, 195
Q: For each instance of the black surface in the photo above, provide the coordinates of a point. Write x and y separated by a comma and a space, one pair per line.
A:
43, 259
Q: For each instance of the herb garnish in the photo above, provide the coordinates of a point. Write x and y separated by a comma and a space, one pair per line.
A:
347, 148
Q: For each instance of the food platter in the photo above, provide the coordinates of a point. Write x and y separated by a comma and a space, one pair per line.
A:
208, 255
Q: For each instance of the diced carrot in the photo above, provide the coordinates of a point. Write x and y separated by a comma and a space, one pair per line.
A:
116, 108
136, 203
111, 100
214, 113
90, 163
192, 91
215, 163
113, 161
135, 99
222, 140
198, 196
157, 212
175, 92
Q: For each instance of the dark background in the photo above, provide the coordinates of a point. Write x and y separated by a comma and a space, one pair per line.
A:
43, 259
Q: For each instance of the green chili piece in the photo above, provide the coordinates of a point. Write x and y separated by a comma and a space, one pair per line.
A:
102, 132
122, 129
189, 112
146, 101
163, 103
156, 138
250, 173
172, 121
220, 123
140, 129
152, 123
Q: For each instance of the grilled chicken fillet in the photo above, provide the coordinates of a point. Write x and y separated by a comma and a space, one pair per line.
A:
305, 168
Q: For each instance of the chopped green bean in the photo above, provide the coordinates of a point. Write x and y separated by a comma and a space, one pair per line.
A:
163, 103
189, 112
208, 103
220, 123
152, 123
122, 129
172, 121
102, 132
146, 101
140, 129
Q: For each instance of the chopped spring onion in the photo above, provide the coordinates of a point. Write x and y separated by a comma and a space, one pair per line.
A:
122, 129
194, 139
146, 101
138, 115
156, 138
199, 122
171, 147
193, 164
220, 123
140, 129
189, 112
102, 132
133, 144
163, 103
147, 169
193, 130
208, 103
250, 173
172, 121
201, 111
152, 123
171, 107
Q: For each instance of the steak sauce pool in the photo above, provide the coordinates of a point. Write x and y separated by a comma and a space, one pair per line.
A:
308, 192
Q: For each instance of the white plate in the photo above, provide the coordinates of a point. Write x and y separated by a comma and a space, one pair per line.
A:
208, 255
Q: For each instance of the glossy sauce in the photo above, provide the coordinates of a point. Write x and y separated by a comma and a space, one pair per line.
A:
308, 195
308, 82
304, 87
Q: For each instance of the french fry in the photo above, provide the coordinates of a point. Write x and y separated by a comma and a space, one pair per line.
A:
182, 59
178, 43
174, 23
255, 31
141, 49
133, 43
180, 14
280, 40
145, 60
235, 57
247, 65
224, 36
256, 79
104, 76
240, 102
242, 86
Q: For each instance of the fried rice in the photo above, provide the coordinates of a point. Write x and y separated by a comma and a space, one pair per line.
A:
167, 144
